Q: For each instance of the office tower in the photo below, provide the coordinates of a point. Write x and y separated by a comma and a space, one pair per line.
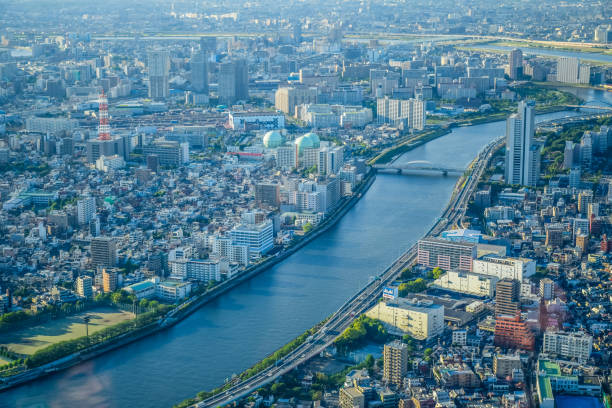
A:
603, 34
199, 72
159, 70
109, 280
547, 289
522, 156
233, 82
435, 252
395, 358
286, 99
507, 301
227, 83
576, 345
84, 284
242, 79
103, 252
86, 208
267, 194
515, 64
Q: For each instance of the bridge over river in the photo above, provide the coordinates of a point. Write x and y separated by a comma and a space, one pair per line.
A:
418, 166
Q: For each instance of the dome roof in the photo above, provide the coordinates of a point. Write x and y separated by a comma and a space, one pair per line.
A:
309, 140
272, 139
315, 139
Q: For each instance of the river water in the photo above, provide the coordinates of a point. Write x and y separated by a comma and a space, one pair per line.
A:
549, 52
233, 332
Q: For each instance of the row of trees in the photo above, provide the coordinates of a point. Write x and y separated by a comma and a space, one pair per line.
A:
262, 365
65, 348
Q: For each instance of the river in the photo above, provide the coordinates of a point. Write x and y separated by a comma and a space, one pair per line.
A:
254, 319
547, 52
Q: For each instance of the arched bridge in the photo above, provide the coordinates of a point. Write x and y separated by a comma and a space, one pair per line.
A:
417, 166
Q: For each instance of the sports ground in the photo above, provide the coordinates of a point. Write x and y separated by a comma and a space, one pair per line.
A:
31, 339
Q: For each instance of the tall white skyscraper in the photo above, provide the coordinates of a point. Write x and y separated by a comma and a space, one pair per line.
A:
86, 208
159, 69
522, 156
570, 70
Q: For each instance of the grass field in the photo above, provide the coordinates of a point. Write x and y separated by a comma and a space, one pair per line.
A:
31, 339
4, 360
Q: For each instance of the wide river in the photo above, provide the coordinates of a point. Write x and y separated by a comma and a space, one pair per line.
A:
549, 52
232, 333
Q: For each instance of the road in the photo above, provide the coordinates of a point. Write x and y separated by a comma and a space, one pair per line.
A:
360, 302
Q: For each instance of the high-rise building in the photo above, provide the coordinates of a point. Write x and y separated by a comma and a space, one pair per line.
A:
199, 72
330, 160
576, 345
515, 64
522, 156
84, 284
258, 238
109, 280
267, 194
286, 99
351, 397
505, 364
159, 69
395, 358
410, 112
435, 252
103, 252
507, 297
570, 70
512, 332
603, 34
554, 235
233, 81
168, 153
86, 208
547, 289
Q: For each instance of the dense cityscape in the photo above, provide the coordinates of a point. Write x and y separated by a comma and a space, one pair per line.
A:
357, 204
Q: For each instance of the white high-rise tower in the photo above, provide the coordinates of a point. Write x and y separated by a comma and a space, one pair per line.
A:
522, 156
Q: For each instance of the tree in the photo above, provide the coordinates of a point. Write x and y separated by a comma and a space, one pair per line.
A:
427, 354
307, 227
435, 273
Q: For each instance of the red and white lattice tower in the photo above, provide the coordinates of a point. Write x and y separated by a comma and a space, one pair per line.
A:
104, 128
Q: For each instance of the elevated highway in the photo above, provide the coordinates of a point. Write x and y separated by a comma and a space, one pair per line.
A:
361, 301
